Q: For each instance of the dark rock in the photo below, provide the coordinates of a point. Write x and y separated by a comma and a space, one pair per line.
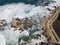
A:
36, 43
39, 43
42, 43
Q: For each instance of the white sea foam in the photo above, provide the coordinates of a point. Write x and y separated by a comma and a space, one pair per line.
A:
19, 10
2, 40
22, 10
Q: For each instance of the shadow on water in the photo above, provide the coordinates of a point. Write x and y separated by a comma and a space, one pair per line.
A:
32, 2
56, 25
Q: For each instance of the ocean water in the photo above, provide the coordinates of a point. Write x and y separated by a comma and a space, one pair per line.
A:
32, 2
20, 9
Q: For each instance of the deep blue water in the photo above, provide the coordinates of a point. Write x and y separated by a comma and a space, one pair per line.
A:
32, 2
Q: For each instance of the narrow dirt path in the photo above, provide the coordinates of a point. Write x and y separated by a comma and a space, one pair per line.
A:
48, 25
